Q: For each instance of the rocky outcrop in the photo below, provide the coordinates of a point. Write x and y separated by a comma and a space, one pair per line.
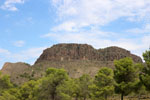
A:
116, 53
14, 70
61, 52
14, 67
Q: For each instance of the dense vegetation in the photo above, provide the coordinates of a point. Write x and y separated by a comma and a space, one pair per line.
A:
127, 78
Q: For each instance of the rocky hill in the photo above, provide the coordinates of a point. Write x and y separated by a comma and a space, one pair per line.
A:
68, 52
14, 70
77, 59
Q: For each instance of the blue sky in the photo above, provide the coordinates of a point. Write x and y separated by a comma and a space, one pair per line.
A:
27, 27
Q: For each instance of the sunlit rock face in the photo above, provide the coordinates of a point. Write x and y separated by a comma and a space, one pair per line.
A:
69, 52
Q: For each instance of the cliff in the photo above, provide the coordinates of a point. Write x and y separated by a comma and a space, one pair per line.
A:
68, 52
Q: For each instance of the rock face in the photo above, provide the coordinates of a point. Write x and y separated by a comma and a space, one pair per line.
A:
116, 53
69, 52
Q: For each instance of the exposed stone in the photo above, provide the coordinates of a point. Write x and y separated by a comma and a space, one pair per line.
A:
69, 52
18, 67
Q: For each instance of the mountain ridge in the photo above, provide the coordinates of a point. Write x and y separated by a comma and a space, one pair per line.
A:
77, 59
72, 51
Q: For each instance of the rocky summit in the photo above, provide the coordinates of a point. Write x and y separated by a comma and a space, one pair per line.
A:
77, 59
68, 52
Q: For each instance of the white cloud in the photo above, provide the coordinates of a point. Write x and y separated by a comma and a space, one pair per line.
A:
79, 35
30, 20
100, 12
4, 51
3, 55
145, 29
25, 21
28, 55
95, 39
10, 4
146, 41
19, 43
66, 26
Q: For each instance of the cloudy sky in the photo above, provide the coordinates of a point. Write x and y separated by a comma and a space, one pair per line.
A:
29, 26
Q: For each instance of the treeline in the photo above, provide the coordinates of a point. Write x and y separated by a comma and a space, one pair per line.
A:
126, 78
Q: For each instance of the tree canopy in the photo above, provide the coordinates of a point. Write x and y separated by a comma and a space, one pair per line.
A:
103, 85
125, 76
145, 74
